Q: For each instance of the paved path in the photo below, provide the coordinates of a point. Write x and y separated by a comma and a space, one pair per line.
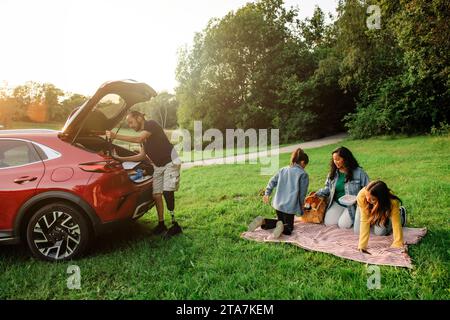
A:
306, 145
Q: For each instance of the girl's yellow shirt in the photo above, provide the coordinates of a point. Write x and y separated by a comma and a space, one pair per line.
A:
364, 230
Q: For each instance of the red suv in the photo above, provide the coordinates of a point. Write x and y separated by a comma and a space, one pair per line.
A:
59, 189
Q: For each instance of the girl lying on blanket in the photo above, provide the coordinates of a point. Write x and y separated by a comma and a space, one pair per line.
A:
379, 209
292, 184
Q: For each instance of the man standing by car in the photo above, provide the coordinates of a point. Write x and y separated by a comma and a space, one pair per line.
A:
166, 164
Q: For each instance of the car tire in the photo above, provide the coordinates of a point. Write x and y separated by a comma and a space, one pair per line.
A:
58, 232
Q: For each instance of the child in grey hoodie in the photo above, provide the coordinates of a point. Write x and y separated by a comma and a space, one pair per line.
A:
292, 185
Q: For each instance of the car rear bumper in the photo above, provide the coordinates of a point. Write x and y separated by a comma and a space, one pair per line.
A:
142, 201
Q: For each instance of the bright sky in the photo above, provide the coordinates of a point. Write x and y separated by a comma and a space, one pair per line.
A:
79, 44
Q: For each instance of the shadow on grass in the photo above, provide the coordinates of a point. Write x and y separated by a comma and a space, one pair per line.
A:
15, 253
119, 238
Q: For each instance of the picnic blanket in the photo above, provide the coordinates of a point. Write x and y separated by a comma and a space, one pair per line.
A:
344, 243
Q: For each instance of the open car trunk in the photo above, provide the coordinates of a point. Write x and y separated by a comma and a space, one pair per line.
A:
104, 111
99, 145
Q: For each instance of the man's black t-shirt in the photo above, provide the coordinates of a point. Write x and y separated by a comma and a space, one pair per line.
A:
157, 146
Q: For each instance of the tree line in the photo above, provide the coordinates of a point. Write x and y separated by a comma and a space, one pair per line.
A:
36, 102
44, 102
263, 67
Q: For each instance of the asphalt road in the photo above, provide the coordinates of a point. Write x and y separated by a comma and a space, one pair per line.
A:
288, 149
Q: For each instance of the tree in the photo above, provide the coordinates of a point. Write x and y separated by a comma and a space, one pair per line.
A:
72, 101
162, 108
51, 99
39, 102
399, 72
8, 106
318, 93
234, 72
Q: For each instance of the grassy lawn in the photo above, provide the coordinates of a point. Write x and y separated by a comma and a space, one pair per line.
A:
36, 125
211, 261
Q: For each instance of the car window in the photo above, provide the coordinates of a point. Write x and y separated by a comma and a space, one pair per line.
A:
16, 153
45, 153
110, 105
40, 152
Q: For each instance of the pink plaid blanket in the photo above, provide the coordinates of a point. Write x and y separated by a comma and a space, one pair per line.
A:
344, 243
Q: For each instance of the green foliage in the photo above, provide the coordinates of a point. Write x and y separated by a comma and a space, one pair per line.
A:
442, 130
230, 76
73, 101
262, 67
399, 71
37, 102
162, 108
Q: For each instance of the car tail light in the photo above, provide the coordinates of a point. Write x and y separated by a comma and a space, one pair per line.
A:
100, 166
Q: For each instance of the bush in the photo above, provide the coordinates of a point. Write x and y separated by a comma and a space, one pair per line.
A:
396, 106
442, 130
365, 122
296, 127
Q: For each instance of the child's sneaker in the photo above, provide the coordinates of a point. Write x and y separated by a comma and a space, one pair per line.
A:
257, 222
278, 230
403, 215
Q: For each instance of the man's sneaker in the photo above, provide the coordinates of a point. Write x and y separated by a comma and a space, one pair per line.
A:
403, 215
257, 222
278, 230
160, 228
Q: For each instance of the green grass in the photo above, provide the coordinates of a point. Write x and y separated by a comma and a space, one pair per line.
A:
211, 261
36, 125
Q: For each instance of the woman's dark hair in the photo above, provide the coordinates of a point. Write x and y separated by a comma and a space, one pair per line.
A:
380, 190
298, 156
350, 163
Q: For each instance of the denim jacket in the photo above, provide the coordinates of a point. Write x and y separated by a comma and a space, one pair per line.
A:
292, 184
360, 180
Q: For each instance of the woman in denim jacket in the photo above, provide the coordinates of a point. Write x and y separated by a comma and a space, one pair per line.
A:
346, 177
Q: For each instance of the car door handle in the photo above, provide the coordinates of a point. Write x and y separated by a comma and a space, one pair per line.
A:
24, 179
